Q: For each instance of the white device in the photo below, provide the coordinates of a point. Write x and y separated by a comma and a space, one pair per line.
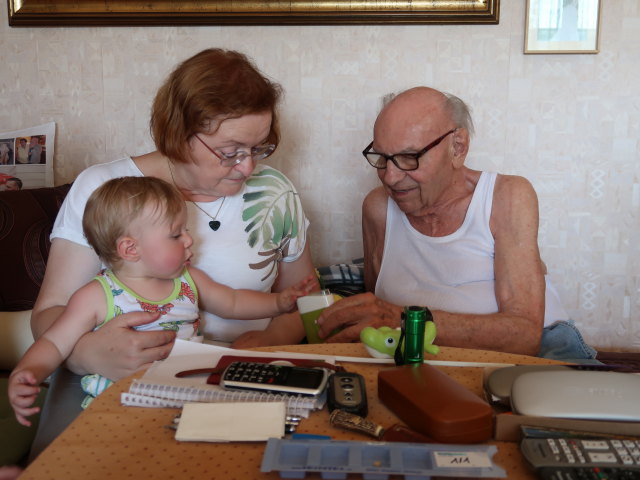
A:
577, 394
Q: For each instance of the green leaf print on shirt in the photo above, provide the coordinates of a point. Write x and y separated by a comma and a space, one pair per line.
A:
273, 215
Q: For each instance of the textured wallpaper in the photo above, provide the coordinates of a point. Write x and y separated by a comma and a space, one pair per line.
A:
569, 123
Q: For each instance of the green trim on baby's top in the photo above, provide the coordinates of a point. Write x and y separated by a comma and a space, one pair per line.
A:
113, 311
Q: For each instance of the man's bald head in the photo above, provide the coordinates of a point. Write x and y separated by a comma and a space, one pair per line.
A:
424, 108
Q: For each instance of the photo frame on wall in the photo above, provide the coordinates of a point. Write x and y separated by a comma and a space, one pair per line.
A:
82, 13
562, 26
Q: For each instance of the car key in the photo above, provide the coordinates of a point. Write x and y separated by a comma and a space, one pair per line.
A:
347, 392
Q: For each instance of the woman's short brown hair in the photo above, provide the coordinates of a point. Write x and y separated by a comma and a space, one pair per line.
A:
116, 204
212, 85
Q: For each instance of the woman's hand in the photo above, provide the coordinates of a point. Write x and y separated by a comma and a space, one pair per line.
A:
116, 350
350, 315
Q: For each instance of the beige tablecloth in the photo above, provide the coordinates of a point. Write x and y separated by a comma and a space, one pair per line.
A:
111, 441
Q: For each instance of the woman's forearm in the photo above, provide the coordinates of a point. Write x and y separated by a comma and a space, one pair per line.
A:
286, 329
42, 319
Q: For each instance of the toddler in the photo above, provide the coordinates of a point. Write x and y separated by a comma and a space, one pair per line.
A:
137, 226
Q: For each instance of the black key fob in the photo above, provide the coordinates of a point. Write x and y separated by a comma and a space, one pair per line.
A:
347, 392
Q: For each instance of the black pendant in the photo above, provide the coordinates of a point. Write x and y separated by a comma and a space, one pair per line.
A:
214, 225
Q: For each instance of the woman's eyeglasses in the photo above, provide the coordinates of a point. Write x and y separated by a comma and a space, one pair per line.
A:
257, 153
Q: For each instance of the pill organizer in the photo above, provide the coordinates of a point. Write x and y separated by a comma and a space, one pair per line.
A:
335, 459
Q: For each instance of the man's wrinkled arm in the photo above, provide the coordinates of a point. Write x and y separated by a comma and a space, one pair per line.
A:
520, 284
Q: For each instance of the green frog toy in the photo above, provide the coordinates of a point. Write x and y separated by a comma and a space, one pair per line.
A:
382, 342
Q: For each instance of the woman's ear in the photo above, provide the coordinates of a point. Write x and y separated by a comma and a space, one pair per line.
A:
127, 248
460, 146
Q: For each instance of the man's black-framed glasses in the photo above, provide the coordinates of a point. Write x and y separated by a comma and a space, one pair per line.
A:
404, 161
257, 153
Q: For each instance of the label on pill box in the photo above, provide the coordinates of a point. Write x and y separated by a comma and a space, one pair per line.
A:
462, 459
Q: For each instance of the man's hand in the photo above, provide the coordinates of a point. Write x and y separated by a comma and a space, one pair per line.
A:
350, 315
116, 350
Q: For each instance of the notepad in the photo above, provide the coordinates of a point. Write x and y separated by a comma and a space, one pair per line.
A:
159, 386
231, 422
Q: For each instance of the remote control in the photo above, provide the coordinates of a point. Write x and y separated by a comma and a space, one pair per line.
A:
347, 392
587, 473
576, 452
274, 378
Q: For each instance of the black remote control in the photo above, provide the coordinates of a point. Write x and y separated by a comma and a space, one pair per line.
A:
347, 392
578, 458
587, 473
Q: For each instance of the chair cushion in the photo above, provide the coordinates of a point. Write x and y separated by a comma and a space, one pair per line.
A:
345, 279
26, 219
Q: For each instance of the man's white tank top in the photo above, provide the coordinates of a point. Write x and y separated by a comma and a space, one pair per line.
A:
453, 273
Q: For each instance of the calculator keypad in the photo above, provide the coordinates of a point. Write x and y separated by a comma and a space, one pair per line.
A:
255, 373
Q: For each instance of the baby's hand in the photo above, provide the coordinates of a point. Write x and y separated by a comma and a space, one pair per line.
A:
23, 390
287, 298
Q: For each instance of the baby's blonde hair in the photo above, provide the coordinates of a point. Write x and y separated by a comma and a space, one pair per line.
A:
114, 206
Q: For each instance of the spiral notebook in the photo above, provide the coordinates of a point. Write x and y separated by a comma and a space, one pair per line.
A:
159, 387
144, 394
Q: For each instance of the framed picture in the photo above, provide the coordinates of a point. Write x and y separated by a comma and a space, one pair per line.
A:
562, 26
29, 13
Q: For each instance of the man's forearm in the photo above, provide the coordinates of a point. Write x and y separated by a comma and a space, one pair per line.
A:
498, 332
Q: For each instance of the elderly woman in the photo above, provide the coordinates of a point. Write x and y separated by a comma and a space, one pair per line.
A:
213, 120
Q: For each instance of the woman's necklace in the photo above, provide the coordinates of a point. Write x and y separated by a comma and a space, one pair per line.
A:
214, 224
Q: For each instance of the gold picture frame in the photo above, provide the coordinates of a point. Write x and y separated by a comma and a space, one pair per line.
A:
562, 26
32, 13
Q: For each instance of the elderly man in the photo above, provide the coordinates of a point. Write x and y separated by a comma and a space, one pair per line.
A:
460, 241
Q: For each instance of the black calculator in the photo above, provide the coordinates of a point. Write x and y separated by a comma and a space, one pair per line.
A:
275, 378
579, 458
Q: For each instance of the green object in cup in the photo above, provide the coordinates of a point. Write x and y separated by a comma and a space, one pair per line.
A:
310, 307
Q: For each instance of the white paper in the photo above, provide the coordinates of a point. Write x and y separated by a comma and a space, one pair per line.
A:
231, 422
187, 355
462, 459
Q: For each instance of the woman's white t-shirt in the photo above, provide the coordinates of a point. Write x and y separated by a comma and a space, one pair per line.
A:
259, 227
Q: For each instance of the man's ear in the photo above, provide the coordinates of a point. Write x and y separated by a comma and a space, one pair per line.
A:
127, 248
460, 147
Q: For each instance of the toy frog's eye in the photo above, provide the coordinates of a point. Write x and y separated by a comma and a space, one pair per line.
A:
390, 341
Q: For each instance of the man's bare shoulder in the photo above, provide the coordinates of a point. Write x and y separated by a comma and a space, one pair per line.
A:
512, 187
375, 201
515, 204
